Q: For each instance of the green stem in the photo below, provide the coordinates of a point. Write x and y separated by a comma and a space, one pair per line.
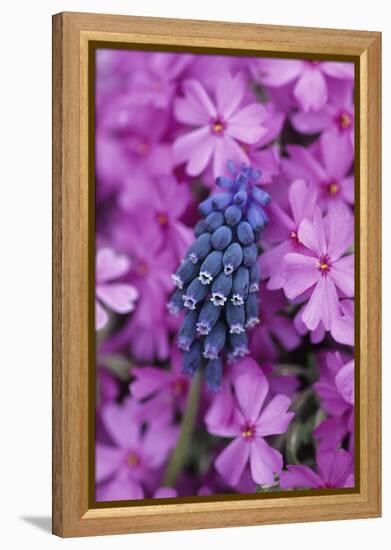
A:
187, 427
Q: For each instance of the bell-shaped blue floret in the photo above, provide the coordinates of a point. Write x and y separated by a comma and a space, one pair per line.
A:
233, 215
254, 278
214, 220
192, 359
187, 332
221, 237
185, 273
205, 207
255, 218
240, 197
245, 233
261, 196
220, 201
199, 228
221, 288
175, 303
195, 293
250, 255
215, 341
240, 286
235, 317
210, 267
232, 258
252, 310
200, 248
208, 317
224, 182
214, 373
239, 345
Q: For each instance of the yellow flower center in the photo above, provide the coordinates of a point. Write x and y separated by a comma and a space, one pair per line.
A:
162, 218
178, 387
142, 148
142, 268
345, 121
248, 432
333, 188
133, 460
218, 127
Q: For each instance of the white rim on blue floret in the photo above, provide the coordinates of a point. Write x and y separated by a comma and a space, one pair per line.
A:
205, 277
177, 280
202, 328
189, 301
236, 328
237, 300
218, 299
252, 322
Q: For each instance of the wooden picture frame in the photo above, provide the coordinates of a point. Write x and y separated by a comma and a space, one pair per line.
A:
73, 240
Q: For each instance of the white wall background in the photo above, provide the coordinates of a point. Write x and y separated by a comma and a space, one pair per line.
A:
25, 270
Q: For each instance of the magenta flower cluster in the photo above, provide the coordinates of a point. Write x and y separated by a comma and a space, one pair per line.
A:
173, 131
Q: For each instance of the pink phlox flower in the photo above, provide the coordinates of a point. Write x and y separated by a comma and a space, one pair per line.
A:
335, 469
313, 80
329, 171
155, 83
324, 268
273, 324
116, 296
220, 125
335, 120
302, 199
168, 201
251, 424
163, 392
136, 453
152, 265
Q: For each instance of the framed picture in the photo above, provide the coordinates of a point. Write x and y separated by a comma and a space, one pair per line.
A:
216, 218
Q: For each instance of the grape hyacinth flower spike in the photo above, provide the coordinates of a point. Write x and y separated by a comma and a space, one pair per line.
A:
218, 280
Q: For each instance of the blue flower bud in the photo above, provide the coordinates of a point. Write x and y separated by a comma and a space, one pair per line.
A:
210, 267
232, 258
192, 359
224, 182
187, 332
250, 255
221, 289
208, 317
240, 197
199, 228
233, 215
235, 317
240, 286
254, 174
245, 233
221, 200
185, 273
214, 373
214, 220
195, 293
205, 207
175, 303
261, 196
215, 341
221, 237
200, 248
254, 278
252, 310
239, 345
231, 167
255, 219
265, 217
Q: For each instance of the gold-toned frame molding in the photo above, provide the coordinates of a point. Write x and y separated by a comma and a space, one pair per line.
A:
73, 33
